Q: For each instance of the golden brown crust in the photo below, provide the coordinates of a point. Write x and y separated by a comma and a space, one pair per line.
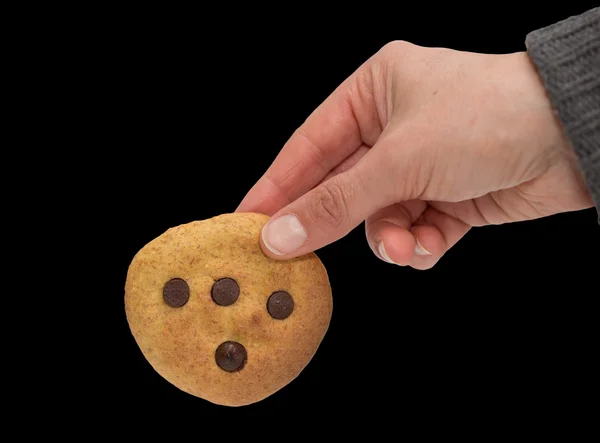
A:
180, 343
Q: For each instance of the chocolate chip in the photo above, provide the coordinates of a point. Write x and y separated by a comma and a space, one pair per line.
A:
280, 305
231, 356
225, 291
176, 292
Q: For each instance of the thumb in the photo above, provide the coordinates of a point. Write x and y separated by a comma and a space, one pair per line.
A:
329, 211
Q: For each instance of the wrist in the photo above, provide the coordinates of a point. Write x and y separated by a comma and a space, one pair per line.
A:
556, 154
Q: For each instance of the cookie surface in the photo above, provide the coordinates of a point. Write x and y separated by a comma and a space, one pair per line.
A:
219, 319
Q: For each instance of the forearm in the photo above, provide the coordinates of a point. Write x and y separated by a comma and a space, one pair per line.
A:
567, 56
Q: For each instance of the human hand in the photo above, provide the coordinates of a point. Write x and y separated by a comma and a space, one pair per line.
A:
422, 144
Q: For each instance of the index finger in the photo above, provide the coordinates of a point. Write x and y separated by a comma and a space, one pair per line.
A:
333, 132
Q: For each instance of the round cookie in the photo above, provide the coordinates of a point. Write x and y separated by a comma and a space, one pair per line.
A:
219, 319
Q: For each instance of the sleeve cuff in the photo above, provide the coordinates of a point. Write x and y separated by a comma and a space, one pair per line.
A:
567, 57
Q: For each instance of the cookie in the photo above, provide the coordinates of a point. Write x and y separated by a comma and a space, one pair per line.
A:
219, 319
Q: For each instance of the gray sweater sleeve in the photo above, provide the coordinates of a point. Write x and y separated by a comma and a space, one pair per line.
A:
567, 56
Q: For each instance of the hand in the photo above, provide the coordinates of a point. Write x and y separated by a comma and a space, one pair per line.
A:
422, 144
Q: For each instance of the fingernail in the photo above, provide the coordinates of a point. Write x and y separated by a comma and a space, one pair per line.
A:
420, 250
284, 235
383, 254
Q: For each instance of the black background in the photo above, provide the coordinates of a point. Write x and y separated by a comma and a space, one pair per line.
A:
196, 108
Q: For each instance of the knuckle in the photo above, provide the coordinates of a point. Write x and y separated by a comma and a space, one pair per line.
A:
394, 48
329, 204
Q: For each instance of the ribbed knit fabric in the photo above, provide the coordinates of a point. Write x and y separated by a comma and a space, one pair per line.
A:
567, 56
